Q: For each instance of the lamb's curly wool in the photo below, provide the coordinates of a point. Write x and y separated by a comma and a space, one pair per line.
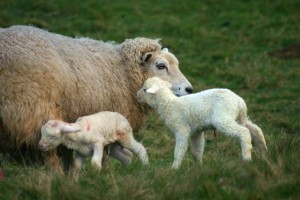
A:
49, 76
190, 115
88, 136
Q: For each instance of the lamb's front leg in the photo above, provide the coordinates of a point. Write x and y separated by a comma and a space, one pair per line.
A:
97, 156
180, 148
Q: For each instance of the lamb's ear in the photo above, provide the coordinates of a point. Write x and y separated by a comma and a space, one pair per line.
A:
146, 57
70, 128
165, 50
153, 89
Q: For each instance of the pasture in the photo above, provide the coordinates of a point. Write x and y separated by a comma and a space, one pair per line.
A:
252, 48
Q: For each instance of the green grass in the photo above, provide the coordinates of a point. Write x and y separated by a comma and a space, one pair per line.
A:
219, 44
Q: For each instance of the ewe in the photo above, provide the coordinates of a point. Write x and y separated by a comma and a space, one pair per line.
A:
188, 116
88, 136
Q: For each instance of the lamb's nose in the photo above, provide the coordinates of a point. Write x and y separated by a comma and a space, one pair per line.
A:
41, 145
189, 90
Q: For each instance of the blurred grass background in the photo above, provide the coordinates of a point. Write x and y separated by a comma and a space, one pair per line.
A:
223, 44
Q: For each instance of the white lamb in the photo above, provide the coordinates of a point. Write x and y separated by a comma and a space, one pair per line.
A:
88, 136
188, 116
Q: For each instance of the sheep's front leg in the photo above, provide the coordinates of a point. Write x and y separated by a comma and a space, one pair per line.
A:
51, 161
180, 149
97, 156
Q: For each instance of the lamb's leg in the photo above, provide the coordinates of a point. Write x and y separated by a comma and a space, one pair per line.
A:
97, 156
197, 146
180, 149
257, 136
232, 128
79, 159
120, 153
127, 140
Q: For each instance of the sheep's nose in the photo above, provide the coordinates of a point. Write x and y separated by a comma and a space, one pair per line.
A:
189, 90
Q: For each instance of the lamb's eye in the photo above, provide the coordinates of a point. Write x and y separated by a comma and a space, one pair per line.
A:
145, 90
161, 66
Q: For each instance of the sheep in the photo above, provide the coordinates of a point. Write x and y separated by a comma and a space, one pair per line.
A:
88, 136
50, 76
188, 116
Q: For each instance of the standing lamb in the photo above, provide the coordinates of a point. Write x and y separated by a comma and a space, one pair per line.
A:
190, 115
49, 76
88, 136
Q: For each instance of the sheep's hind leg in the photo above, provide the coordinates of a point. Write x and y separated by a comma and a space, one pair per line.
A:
231, 128
120, 153
197, 146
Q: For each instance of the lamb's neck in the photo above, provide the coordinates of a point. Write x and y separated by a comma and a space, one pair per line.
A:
164, 102
70, 142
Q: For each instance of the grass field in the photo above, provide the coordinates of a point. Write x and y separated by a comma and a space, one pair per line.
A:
219, 44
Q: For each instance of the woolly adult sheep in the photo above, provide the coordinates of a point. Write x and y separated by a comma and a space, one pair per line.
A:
88, 136
49, 76
188, 116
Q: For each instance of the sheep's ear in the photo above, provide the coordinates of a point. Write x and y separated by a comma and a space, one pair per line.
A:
153, 89
70, 128
165, 50
146, 57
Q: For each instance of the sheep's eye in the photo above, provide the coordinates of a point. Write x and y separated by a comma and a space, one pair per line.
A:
145, 90
161, 66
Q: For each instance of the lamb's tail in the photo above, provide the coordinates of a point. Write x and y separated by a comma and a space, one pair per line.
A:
256, 132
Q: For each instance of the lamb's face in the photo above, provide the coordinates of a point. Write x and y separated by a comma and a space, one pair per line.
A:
166, 66
51, 136
150, 87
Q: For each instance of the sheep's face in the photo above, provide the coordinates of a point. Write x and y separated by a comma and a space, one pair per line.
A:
165, 66
51, 136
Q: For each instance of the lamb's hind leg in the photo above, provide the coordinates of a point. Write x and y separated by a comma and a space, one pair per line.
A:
197, 146
231, 128
257, 136
127, 140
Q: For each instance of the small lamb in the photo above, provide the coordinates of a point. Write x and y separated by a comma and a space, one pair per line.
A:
88, 136
188, 116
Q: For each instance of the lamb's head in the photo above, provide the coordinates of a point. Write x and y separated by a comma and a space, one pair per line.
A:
151, 87
165, 65
53, 133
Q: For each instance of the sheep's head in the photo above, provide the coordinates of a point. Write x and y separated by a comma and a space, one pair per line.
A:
53, 132
151, 87
165, 65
